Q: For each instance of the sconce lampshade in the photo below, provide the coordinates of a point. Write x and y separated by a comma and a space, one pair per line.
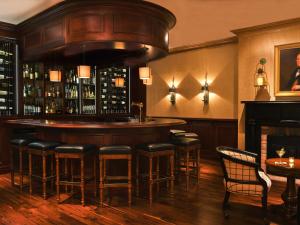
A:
148, 81
84, 71
119, 82
260, 76
55, 75
145, 73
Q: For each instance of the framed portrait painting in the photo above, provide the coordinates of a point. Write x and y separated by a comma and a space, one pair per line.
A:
287, 70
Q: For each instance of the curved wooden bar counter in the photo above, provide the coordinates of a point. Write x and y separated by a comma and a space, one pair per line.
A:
100, 133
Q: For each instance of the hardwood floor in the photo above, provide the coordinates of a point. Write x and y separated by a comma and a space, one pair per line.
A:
201, 205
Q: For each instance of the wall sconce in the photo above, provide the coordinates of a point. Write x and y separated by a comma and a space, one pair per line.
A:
55, 75
172, 92
260, 76
119, 82
205, 91
144, 73
148, 81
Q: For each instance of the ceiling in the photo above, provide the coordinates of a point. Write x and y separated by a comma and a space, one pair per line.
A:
198, 21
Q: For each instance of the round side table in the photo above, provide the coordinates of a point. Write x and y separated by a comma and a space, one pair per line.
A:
291, 172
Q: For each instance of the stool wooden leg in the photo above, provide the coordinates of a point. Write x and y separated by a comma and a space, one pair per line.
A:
95, 176
129, 181
12, 167
172, 173
168, 170
137, 176
44, 177
21, 168
30, 173
101, 181
187, 172
82, 181
57, 179
157, 174
150, 179
66, 173
198, 165
72, 177
52, 172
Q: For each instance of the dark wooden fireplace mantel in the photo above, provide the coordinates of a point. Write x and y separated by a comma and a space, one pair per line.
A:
268, 113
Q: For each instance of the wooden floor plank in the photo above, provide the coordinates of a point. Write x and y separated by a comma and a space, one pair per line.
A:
200, 206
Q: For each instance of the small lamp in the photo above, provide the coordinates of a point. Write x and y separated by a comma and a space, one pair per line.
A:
55, 75
148, 81
144, 73
119, 82
260, 76
205, 91
172, 92
84, 71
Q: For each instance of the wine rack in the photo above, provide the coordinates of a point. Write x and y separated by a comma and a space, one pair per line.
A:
7, 77
33, 89
113, 99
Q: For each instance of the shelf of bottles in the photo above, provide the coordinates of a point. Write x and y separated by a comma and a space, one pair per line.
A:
88, 93
112, 99
73, 96
33, 89
71, 91
7, 77
54, 99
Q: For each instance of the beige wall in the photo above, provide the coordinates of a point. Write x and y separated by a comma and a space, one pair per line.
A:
189, 70
254, 45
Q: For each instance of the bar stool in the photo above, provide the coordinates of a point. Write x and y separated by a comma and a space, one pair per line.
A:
44, 149
185, 134
18, 145
117, 152
187, 153
155, 152
72, 152
175, 131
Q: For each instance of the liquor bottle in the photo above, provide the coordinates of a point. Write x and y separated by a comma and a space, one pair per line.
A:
36, 72
31, 75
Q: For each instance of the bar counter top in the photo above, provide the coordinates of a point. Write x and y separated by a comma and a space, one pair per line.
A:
64, 124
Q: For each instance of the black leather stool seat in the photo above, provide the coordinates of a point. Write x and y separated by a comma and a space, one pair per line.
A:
184, 141
44, 145
156, 147
73, 148
21, 141
187, 134
115, 149
174, 131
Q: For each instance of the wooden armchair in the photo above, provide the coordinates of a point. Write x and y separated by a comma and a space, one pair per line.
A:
243, 175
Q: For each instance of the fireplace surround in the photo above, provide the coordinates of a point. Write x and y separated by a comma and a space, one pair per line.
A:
283, 116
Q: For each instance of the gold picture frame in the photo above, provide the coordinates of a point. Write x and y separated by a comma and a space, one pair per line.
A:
286, 70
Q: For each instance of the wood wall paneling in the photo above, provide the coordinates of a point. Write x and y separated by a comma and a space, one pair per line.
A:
212, 133
33, 39
85, 26
8, 30
53, 33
